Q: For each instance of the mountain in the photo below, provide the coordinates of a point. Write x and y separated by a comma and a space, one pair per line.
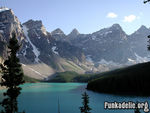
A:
112, 46
58, 34
74, 33
45, 46
108, 44
44, 53
8, 23
138, 41
41, 54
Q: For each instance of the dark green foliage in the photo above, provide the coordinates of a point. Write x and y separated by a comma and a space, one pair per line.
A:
12, 77
145, 1
28, 79
133, 80
69, 76
64, 77
85, 108
149, 43
136, 109
2, 44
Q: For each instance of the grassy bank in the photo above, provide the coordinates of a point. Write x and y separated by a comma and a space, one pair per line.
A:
72, 77
30, 80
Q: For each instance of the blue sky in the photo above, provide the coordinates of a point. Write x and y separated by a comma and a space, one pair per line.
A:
86, 15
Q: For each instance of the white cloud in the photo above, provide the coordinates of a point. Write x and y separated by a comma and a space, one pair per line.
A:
129, 18
112, 15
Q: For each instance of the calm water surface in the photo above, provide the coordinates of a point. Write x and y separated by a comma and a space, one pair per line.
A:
43, 98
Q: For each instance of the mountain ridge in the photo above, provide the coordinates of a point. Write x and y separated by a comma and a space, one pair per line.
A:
41, 54
55, 51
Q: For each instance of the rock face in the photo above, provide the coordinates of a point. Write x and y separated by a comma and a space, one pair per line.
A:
58, 34
110, 44
44, 45
138, 41
40, 50
43, 53
113, 46
41, 47
8, 23
74, 33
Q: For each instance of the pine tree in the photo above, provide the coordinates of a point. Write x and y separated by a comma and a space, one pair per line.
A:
137, 111
145, 1
85, 108
136, 108
149, 43
12, 77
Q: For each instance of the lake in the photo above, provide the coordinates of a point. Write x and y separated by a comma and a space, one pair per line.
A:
43, 98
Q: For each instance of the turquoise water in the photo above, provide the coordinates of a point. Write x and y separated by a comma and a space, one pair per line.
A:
43, 98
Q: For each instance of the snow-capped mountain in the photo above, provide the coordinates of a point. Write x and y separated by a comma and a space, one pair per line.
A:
110, 44
43, 53
113, 45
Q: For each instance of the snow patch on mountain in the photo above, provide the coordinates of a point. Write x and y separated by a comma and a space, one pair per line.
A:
93, 37
108, 32
103, 61
3, 9
35, 33
140, 59
35, 50
39, 37
1, 31
54, 50
48, 41
88, 58
131, 60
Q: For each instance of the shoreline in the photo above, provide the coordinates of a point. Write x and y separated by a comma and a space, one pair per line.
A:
2, 88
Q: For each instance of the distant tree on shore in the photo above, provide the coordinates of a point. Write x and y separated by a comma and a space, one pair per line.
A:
145, 1
148, 46
85, 108
12, 77
136, 109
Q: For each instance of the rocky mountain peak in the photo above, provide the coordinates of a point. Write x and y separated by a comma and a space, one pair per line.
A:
33, 24
142, 29
116, 26
74, 33
2, 9
57, 31
36, 25
7, 15
9, 23
114, 29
